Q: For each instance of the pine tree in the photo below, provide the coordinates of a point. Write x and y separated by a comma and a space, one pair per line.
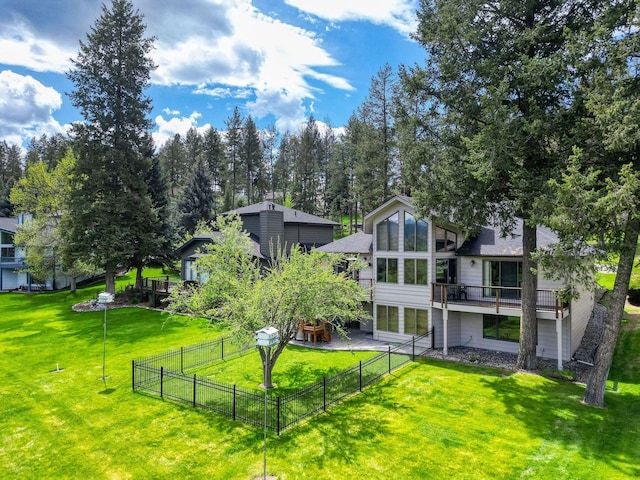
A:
197, 201
234, 155
112, 220
497, 90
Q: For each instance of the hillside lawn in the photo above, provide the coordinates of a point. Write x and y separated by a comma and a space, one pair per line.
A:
429, 420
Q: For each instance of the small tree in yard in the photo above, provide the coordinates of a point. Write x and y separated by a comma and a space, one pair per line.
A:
291, 289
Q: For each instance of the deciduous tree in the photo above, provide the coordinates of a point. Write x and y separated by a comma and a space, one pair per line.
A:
294, 288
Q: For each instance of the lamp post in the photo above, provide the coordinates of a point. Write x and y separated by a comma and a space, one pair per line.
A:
266, 337
103, 299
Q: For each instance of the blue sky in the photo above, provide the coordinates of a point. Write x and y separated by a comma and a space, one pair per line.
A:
278, 61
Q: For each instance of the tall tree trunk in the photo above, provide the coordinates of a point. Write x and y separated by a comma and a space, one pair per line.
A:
139, 268
594, 392
110, 279
73, 286
529, 323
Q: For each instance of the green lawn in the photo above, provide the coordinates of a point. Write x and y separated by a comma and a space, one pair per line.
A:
429, 420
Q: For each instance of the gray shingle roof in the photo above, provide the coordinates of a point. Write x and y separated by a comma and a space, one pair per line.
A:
9, 224
290, 215
491, 242
357, 243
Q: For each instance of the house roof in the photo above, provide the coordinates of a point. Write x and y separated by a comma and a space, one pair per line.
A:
357, 243
200, 240
9, 224
493, 242
290, 215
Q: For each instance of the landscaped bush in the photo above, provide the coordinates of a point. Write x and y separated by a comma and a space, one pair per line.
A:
634, 296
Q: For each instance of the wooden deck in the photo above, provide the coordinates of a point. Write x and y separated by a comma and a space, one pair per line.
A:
496, 297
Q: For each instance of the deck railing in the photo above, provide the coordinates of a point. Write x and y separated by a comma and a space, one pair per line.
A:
498, 297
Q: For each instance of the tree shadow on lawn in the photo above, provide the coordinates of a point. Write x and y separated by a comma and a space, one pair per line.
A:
552, 409
341, 431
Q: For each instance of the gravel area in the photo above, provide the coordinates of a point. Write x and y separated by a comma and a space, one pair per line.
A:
506, 361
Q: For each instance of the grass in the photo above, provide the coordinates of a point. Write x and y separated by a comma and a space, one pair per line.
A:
430, 419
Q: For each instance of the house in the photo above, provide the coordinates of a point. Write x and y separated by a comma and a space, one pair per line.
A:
12, 274
268, 225
359, 245
430, 276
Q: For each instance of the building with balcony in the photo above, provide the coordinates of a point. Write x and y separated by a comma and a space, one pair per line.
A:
12, 273
430, 275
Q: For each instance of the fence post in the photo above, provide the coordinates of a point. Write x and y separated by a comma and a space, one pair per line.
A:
194, 390
161, 378
324, 393
233, 408
278, 415
360, 375
133, 375
389, 358
182, 360
433, 340
222, 348
413, 348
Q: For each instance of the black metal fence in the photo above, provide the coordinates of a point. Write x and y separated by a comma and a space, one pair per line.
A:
152, 376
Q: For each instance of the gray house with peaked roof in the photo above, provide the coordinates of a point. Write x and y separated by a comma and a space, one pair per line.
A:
268, 225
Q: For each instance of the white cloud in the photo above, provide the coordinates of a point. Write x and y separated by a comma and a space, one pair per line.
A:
398, 14
26, 107
220, 48
168, 128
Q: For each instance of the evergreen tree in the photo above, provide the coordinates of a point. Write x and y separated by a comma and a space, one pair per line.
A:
234, 155
173, 158
112, 220
255, 175
193, 147
269, 142
497, 88
10, 174
283, 168
213, 156
197, 200
306, 169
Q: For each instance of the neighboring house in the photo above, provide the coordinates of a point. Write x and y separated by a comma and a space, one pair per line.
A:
12, 274
13, 269
428, 275
268, 225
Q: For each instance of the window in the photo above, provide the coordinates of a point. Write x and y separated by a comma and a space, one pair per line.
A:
446, 241
415, 271
446, 270
387, 270
415, 234
501, 327
502, 274
6, 238
387, 318
416, 321
7, 253
387, 233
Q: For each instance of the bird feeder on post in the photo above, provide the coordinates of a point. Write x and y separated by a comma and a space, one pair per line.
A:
266, 337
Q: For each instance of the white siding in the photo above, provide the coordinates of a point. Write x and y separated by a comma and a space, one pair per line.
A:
580, 313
